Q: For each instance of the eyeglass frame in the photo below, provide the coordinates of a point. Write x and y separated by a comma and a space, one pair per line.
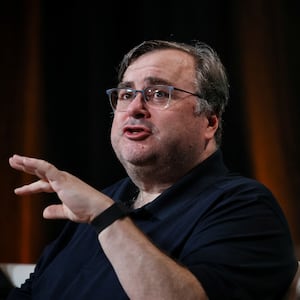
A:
135, 91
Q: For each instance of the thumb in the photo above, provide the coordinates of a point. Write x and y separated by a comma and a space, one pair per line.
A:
54, 211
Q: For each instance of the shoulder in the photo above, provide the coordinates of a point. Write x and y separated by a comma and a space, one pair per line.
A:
249, 199
235, 183
235, 180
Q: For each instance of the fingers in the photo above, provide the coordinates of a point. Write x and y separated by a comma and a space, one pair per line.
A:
33, 166
22, 163
61, 211
79, 200
38, 167
35, 187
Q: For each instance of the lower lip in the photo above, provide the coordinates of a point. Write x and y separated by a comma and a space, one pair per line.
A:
137, 136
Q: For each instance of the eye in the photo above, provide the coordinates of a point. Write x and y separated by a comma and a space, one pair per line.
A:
125, 94
158, 94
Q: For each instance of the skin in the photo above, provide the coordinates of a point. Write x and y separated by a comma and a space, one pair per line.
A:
156, 149
167, 149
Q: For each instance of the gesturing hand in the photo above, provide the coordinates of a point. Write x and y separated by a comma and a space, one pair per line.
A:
80, 202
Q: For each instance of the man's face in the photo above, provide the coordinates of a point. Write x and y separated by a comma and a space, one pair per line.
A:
147, 136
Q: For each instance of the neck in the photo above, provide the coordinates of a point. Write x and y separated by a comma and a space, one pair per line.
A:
153, 179
143, 198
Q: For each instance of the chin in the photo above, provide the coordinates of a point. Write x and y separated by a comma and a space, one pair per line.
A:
137, 160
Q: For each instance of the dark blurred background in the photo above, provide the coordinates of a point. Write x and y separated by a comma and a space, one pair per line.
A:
57, 58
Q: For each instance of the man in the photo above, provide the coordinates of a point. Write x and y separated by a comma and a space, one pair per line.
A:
181, 226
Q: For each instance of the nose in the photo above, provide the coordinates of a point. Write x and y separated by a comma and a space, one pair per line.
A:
137, 107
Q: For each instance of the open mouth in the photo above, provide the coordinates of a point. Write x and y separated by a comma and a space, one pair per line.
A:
136, 132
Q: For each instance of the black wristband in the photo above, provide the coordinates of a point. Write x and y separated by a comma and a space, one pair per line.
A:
116, 211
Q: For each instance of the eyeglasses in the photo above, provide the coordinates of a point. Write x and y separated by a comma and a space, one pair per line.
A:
156, 96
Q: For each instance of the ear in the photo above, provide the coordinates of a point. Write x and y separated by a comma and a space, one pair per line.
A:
212, 125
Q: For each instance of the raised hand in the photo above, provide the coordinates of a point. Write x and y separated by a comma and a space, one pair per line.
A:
80, 202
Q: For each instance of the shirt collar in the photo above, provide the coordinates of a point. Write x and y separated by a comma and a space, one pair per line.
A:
185, 189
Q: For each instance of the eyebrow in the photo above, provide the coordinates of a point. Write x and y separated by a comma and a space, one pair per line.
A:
148, 81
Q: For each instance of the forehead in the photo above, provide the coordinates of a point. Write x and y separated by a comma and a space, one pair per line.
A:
169, 65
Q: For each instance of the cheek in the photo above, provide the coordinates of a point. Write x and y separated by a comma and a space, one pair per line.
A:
117, 122
194, 129
113, 127
183, 130
114, 131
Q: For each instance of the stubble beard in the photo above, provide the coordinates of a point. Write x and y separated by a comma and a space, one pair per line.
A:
156, 167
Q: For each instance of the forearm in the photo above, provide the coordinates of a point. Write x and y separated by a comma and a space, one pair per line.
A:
143, 270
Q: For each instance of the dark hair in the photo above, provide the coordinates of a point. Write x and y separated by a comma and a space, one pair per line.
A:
211, 79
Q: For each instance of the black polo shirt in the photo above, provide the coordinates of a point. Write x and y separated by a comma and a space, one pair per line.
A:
228, 230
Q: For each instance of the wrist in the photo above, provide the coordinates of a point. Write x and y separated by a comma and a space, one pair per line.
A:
114, 212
